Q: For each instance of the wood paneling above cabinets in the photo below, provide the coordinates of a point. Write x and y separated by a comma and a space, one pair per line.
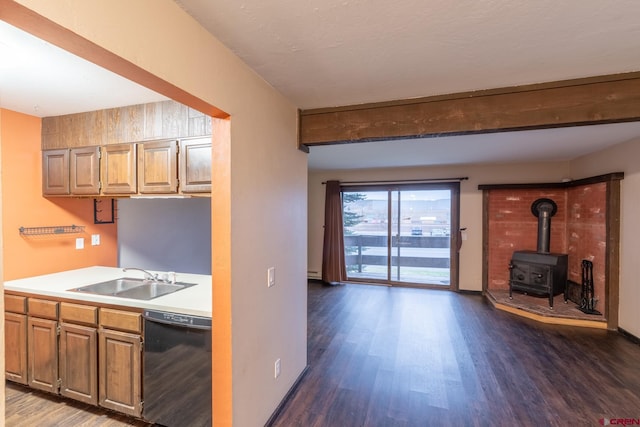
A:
135, 123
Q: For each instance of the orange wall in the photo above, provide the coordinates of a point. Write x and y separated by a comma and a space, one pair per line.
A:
23, 205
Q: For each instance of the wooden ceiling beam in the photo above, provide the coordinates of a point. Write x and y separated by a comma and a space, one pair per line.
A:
578, 102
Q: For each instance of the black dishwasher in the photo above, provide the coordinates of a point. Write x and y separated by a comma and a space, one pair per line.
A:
177, 369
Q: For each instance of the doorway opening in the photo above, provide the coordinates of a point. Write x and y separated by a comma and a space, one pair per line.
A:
402, 234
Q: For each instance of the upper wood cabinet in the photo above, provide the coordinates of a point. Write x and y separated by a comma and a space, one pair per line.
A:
90, 171
158, 167
73, 171
118, 169
55, 172
84, 178
195, 165
151, 167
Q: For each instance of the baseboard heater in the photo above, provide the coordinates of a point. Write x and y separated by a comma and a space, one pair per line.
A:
314, 275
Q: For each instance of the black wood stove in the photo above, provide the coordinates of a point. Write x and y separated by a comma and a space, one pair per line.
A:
539, 272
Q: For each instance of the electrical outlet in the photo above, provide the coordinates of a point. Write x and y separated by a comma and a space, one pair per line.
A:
80, 243
277, 368
95, 239
271, 276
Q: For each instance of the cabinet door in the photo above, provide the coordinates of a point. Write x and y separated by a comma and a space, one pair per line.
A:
118, 166
158, 167
85, 171
79, 363
55, 172
15, 344
120, 374
42, 342
195, 165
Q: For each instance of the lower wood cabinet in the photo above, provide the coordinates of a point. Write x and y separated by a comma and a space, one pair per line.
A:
87, 353
42, 342
120, 363
15, 343
79, 362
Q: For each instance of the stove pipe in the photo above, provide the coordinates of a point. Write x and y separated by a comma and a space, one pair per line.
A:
544, 209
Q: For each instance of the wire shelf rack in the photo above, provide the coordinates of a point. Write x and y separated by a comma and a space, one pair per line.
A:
55, 229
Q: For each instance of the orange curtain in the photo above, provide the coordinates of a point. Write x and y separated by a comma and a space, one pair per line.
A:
334, 268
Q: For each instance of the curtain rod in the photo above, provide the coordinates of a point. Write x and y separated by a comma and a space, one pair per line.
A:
405, 181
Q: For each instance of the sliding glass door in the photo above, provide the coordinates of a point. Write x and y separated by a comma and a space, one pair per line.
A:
400, 234
366, 233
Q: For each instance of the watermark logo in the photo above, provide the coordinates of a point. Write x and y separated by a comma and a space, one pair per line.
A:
619, 421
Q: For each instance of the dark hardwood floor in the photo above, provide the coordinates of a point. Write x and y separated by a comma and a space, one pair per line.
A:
387, 357
30, 408
391, 357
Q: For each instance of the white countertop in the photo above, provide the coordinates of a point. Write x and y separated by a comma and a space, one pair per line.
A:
194, 300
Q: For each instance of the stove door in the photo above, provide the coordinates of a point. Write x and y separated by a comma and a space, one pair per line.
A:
539, 276
519, 273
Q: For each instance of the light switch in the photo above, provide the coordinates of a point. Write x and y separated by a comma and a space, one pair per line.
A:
271, 276
80, 243
95, 239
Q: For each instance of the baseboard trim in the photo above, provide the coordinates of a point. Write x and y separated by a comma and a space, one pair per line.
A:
628, 335
286, 397
469, 292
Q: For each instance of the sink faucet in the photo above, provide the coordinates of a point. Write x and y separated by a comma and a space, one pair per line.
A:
147, 275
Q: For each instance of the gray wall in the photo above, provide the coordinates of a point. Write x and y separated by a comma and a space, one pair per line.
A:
165, 234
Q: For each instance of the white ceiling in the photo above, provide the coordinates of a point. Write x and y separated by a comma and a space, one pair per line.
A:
324, 53
340, 52
547, 145
43, 80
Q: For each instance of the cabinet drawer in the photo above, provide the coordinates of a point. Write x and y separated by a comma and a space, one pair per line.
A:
121, 320
77, 313
43, 308
15, 304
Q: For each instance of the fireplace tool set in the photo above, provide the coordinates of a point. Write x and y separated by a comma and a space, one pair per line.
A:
587, 299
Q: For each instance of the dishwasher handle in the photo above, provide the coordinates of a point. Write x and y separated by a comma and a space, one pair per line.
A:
177, 319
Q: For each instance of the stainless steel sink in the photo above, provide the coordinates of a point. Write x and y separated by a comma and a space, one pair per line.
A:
133, 288
151, 290
110, 287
